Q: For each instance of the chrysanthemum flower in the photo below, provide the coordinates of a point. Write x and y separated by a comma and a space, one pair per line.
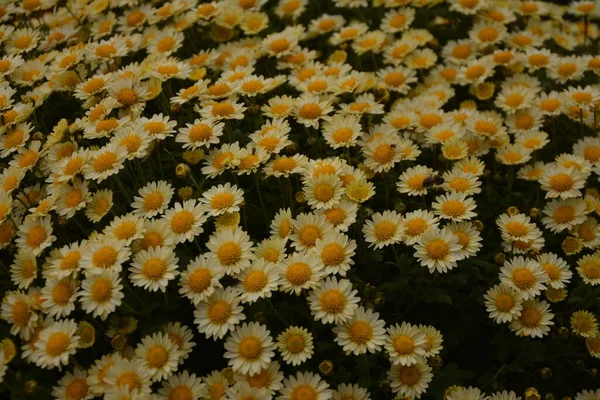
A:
222, 199
305, 385
158, 355
183, 384
200, 280
563, 214
56, 344
219, 313
333, 301
410, 380
438, 249
504, 303
249, 348
105, 253
101, 293
534, 321
363, 333
185, 220
295, 345
258, 281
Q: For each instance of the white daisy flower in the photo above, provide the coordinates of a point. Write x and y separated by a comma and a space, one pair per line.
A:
333, 301
249, 348
524, 275
363, 333
219, 313
158, 355
152, 269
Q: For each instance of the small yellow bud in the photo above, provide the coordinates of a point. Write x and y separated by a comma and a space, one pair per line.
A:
512, 211
118, 342
9, 349
193, 157
500, 258
300, 198
30, 386
182, 170
87, 334
326, 367
185, 193
532, 394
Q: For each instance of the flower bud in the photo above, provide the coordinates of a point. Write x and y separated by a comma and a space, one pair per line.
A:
500, 258
532, 394
182, 170
326, 367
185, 193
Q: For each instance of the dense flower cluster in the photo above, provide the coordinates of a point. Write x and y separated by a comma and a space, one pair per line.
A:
212, 200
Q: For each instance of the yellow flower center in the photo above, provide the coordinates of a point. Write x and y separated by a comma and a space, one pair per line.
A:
167, 69
437, 249
101, 290
523, 278
415, 227
157, 357
384, 153
250, 348
102, 206
304, 392
403, 344
199, 280
14, 139
153, 201
409, 375
77, 389
295, 343
308, 235
104, 161
333, 254
223, 109
36, 236
384, 230
28, 159
561, 182
567, 69
129, 379
430, 120
310, 111
333, 301
488, 34
475, 71
454, 208
252, 86
279, 45
531, 317
104, 257
126, 230
564, 214
229, 253
182, 222
514, 99
62, 293
335, 215
504, 302
255, 281
154, 269
165, 44
22, 42
298, 273
222, 201
360, 332
181, 392
219, 312
127, 97
57, 344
